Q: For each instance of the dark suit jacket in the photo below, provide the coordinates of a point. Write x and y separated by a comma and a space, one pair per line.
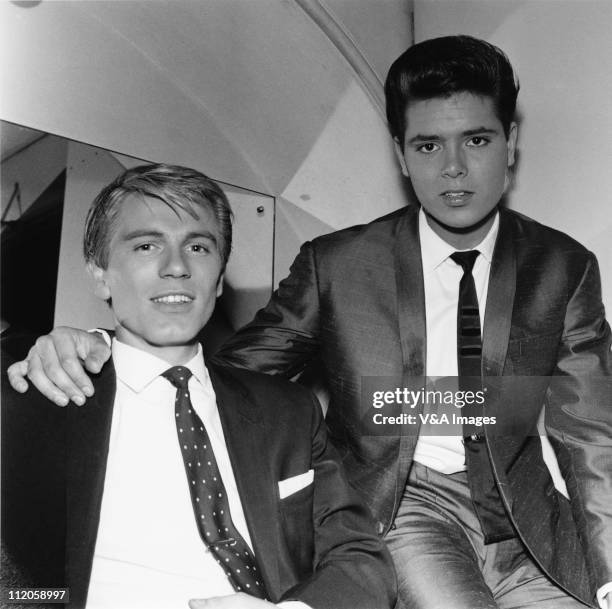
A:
317, 545
355, 300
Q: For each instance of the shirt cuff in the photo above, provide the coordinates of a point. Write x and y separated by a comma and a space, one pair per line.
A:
601, 593
293, 605
104, 334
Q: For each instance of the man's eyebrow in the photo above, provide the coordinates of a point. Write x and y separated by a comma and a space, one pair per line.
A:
481, 131
202, 235
423, 138
419, 137
154, 234
138, 233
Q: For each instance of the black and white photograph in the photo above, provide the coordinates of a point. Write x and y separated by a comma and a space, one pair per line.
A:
304, 304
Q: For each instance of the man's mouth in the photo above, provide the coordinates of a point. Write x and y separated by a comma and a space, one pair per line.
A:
456, 196
173, 299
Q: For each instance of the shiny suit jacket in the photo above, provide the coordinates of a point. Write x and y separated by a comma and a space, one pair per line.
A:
354, 300
317, 545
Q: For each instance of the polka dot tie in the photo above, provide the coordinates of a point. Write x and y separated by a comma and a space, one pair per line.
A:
208, 496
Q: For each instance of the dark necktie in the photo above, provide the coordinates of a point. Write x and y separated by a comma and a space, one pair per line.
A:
208, 496
485, 496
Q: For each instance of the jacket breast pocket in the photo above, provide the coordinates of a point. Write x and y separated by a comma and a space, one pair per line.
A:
533, 355
297, 525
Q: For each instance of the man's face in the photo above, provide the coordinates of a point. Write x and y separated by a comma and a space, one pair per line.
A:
456, 156
163, 276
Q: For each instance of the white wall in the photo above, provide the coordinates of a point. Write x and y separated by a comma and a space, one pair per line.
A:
381, 29
350, 176
248, 277
562, 53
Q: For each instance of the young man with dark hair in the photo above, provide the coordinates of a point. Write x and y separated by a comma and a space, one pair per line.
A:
459, 287
181, 480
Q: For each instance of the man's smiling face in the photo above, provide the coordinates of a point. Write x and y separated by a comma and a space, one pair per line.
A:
456, 155
163, 276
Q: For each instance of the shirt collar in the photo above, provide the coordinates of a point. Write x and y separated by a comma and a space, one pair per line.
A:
434, 250
137, 368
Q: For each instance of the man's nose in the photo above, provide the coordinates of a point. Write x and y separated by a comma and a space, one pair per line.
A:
175, 264
454, 163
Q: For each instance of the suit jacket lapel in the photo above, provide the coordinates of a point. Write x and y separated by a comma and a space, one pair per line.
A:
411, 321
88, 432
496, 334
410, 294
500, 301
245, 434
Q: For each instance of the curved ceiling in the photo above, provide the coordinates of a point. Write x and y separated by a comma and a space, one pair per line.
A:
242, 89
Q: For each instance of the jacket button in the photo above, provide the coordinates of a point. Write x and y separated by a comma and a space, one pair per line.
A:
475, 438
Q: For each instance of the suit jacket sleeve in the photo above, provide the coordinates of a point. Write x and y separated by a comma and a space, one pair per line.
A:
579, 418
283, 336
352, 567
32, 460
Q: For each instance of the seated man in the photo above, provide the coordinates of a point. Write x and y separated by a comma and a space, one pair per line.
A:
96, 499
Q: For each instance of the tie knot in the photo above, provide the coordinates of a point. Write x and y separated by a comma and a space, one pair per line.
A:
178, 376
466, 259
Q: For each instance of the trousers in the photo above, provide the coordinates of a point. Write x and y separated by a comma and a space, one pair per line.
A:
442, 562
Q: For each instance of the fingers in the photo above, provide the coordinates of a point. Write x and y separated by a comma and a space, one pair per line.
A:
16, 376
48, 376
93, 351
55, 365
60, 355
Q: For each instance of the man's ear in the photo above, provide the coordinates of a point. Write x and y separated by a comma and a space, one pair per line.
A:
220, 284
512, 136
399, 152
101, 288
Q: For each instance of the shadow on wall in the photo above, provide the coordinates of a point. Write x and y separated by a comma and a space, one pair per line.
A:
234, 308
216, 331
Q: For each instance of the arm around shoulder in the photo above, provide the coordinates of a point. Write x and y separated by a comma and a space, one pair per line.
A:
283, 336
56, 365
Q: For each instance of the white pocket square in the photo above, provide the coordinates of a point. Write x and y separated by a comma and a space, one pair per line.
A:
295, 483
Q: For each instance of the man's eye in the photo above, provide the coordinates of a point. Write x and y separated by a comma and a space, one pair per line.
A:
477, 141
428, 147
144, 247
199, 248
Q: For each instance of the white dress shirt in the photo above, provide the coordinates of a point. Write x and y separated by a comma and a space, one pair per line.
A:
441, 277
148, 551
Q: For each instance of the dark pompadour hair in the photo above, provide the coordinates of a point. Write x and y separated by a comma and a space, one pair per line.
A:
443, 66
178, 187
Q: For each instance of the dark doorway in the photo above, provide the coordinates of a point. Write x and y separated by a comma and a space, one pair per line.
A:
30, 253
